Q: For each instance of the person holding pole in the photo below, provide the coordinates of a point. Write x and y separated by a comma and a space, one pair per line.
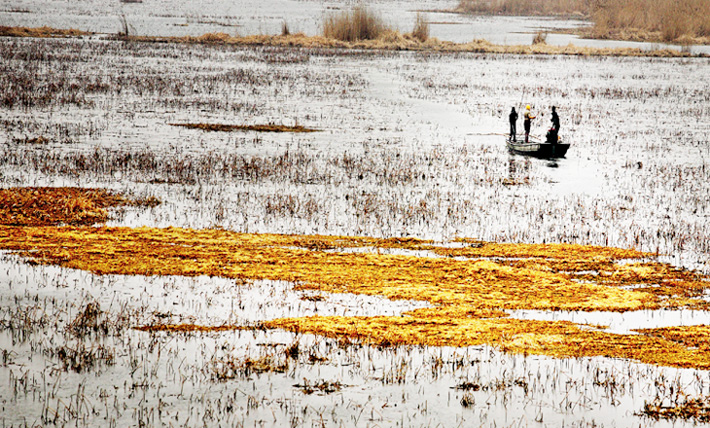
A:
528, 118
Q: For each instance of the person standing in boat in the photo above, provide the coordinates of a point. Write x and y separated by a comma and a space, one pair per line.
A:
552, 133
513, 118
555, 122
528, 118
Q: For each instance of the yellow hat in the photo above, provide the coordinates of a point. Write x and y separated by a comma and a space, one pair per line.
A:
527, 107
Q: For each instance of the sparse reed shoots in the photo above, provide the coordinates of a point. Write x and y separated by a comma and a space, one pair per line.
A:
540, 38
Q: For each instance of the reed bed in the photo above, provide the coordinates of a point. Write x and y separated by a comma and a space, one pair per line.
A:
640, 20
525, 7
402, 154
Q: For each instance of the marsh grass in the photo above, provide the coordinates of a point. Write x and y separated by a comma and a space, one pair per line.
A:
540, 38
664, 20
271, 127
523, 7
42, 32
683, 21
359, 23
696, 409
421, 28
80, 358
322, 386
44, 206
234, 367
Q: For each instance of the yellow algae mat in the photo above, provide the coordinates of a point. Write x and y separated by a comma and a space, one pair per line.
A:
469, 285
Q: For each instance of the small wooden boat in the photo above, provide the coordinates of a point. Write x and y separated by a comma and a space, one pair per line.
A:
536, 148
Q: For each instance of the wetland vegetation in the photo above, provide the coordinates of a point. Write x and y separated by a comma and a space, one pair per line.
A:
395, 268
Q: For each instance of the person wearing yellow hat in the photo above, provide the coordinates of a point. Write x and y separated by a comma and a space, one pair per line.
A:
528, 117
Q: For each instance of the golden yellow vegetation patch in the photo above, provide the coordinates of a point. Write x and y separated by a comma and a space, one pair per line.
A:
558, 339
697, 337
481, 284
469, 287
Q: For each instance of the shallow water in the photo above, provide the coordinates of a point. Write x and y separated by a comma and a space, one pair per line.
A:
408, 146
162, 379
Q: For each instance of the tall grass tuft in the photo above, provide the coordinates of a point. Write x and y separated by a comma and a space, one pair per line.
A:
357, 24
421, 28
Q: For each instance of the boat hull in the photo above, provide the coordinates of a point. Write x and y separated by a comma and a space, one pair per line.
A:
538, 149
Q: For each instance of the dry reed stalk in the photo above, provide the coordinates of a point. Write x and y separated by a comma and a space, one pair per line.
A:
421, 28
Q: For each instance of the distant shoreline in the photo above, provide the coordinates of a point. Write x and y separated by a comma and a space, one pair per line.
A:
391, 40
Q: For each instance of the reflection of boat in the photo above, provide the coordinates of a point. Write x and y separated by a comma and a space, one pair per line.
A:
539, 149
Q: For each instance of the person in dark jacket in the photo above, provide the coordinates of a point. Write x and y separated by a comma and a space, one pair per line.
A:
552, 134
513, 117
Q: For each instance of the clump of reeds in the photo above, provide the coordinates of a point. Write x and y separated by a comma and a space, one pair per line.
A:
421, 28
80, 358
233, 367
323, 386
540, 38
358, 23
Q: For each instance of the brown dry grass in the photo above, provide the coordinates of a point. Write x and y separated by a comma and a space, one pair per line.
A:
393, 40
524, 7
45, 206
257, 128
356, 24
680, 21
683, 21
40, 32
421, 28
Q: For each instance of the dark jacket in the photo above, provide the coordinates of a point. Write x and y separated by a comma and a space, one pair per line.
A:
555, 121
513, 117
